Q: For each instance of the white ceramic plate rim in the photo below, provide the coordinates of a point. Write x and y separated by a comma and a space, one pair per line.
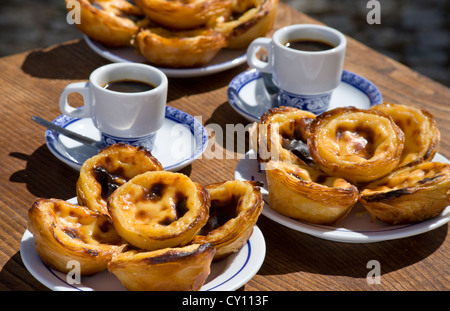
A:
248, 76
176, 115
111, 55
340, 234
236, 274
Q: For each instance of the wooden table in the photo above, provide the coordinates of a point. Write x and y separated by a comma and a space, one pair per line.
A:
30, 84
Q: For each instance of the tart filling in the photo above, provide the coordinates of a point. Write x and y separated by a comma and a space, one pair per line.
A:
421, 133
103, 173
355, 144
159, 209
235, 208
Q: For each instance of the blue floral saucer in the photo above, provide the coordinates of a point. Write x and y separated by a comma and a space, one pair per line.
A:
181, 140
249, 95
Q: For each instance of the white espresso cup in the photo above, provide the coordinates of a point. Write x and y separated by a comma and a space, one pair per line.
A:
122, 117
305, 78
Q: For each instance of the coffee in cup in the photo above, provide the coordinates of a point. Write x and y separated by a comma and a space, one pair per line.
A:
306, 63
126, 102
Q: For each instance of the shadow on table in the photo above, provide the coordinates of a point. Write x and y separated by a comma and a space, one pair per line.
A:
302, 252
233, 135
13, 276
63, 61
45, 176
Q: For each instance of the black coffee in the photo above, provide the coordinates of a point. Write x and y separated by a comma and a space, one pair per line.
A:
309, 45
129, 86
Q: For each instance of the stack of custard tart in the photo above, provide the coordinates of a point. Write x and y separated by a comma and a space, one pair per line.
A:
176, 33
318, 167
153, 229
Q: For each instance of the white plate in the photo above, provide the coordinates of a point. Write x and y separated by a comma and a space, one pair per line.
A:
248, 95
180, 141
228, 274
356, 227
224, 60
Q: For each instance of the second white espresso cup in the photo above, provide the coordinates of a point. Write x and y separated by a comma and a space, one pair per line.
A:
306, 79
121, 117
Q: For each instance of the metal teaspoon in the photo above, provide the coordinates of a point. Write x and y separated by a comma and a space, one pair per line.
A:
75, 136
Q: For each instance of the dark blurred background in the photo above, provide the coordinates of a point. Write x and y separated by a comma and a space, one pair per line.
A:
413, 32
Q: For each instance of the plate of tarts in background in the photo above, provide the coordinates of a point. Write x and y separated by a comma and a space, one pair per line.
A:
182, 38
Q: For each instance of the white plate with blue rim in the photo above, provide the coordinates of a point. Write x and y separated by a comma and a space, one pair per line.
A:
228, 274
224, 60
180, 141
249, 95
356, 227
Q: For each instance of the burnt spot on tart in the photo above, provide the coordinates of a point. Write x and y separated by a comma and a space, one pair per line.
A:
220, 212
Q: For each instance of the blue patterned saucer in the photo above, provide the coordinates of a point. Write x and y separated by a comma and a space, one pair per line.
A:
249, 96
181, 140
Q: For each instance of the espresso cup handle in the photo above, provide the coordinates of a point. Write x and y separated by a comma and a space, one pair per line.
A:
82, 112
253, 60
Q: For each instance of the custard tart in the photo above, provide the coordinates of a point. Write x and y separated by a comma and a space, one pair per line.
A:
421, 133
249, 20
307, 194
169, 269
159, 209
281, 135
179, 48
110, 22
184, 14
235, 208
103, 173
356, 144
64, 232
409, 194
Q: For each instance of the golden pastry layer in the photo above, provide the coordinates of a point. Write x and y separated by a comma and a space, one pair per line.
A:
184, 14
249, 20
355, 144
410, 194
64, 232
421, 133
110, 22
235, 208
159, 209
153, 233
179, 49
170, 269
177, 34
307, 194
103, 173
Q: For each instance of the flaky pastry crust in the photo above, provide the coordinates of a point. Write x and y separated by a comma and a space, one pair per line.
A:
110, 22
249, 20
356, 144
421, 133
179, 49
307, 194
184, 14
159, 209
235, 209
65, 232
101, 174
170, 269
410, 194
281, 135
